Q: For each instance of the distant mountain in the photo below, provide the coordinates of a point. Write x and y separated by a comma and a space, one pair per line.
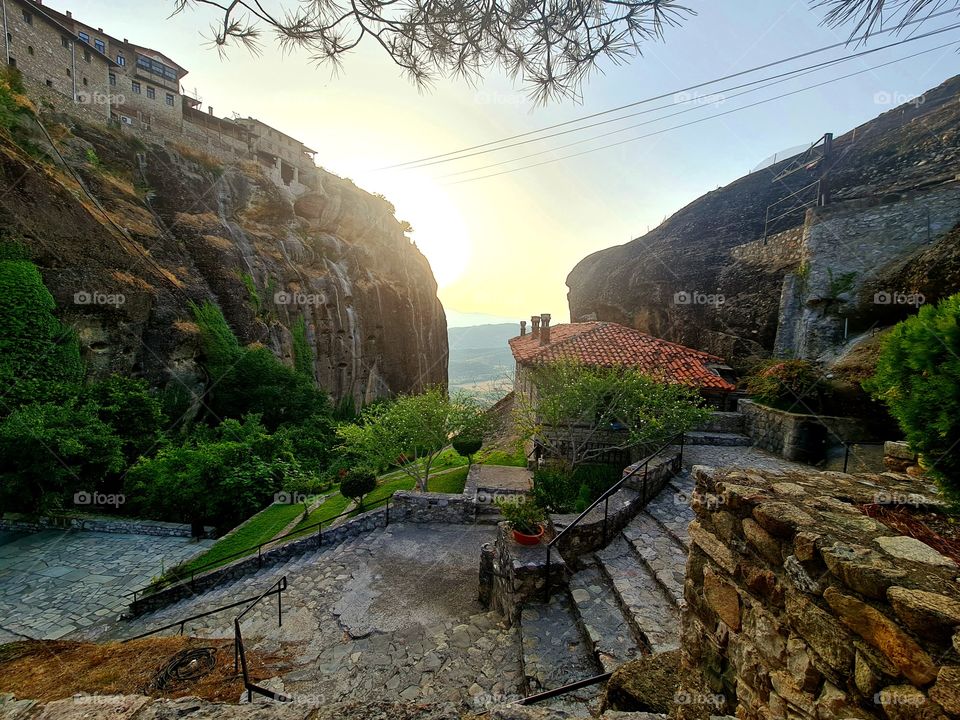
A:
480, 359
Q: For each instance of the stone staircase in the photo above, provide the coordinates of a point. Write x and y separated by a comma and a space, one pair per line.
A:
623, 602
722, 429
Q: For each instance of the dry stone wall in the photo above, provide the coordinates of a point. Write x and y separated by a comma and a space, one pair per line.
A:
782, 250
801, 606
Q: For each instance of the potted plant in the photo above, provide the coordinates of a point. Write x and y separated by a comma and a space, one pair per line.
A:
525, 517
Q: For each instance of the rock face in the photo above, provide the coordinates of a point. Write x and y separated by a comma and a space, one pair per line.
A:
685, 281
166, 226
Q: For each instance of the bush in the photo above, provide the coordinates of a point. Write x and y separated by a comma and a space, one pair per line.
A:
218, 476
134, 413
467, 447
35, 347
918, 377
50, 451
358, 483
524, 516
555, 488
786, 383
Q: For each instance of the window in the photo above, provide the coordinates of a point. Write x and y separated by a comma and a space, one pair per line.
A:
27, 18
49, 83
135, 87
65, 41
100, 45
86, 55
121, 60
85, 81
13, 62
69, 73
151, 93
170, 99
84, 37
29, 49
113, 80
156, 68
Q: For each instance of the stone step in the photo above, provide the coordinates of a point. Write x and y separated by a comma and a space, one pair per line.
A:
663, 553
611, 634
723, 422
673, 511
721, 439
653, 614
555, 653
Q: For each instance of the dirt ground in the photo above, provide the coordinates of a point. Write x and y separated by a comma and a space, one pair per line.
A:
53, 670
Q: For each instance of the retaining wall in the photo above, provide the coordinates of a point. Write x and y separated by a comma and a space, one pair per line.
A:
801, 606
786, 433
99, 524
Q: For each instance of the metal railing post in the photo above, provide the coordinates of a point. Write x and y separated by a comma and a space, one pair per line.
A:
546, 580
606, 513
387, 523
320, 533
279, 604
683, 437
846, 455
259, 556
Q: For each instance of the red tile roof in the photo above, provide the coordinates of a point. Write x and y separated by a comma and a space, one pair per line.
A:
610, 345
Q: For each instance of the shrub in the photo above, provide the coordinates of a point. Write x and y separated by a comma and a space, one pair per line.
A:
555, 488
918, 377
134, 413
35, 347
785, 383
302, 352
50, 451
356, 484
467, 446
524, 516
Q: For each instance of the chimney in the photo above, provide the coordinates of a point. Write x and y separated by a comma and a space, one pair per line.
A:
523, 328
100, 30
535, 326
210, 109
545, 329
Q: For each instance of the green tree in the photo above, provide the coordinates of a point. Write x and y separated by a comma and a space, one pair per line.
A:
219, 475
133, 412
302, 352
358, 483
467, 446
50, 451
918, 377
582, 411
412, 431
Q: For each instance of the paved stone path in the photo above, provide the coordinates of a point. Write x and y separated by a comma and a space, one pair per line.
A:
741, 457
388, 616
53, 583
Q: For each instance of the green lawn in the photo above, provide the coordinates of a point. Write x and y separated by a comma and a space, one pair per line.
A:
333, 506
451, 481
258, 529
517, 458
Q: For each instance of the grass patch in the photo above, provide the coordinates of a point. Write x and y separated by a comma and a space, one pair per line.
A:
331, 507
258, 529
516, 458
450, 482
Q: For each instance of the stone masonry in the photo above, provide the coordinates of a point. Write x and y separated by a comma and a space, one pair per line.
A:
801, 606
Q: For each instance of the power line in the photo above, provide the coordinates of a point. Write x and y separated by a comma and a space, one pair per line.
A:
762, 83
666, 95
654, 120
700, 120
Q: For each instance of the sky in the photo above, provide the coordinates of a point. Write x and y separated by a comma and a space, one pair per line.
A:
501, 247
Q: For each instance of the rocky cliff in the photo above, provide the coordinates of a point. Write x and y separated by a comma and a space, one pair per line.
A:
127, 235
671, 281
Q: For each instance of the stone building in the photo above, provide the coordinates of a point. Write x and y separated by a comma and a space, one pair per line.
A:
55, 64
144, 82
288, 160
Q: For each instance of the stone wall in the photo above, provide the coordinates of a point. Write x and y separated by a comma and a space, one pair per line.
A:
594, 532
846, 249
430, 507
776, 252
789, 434
129, 526
275, 556
801, 606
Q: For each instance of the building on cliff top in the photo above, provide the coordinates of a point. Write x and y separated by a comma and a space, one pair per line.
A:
77, 68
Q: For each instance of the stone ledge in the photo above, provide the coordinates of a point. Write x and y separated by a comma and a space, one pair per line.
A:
106, 524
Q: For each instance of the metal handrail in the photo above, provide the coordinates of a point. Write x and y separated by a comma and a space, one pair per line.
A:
184, 621
564, 689
239, 652
605, 499
259, 548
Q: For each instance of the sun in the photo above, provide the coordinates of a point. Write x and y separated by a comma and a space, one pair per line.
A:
439, 229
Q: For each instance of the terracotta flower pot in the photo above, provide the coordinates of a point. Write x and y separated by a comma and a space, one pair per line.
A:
524, 539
